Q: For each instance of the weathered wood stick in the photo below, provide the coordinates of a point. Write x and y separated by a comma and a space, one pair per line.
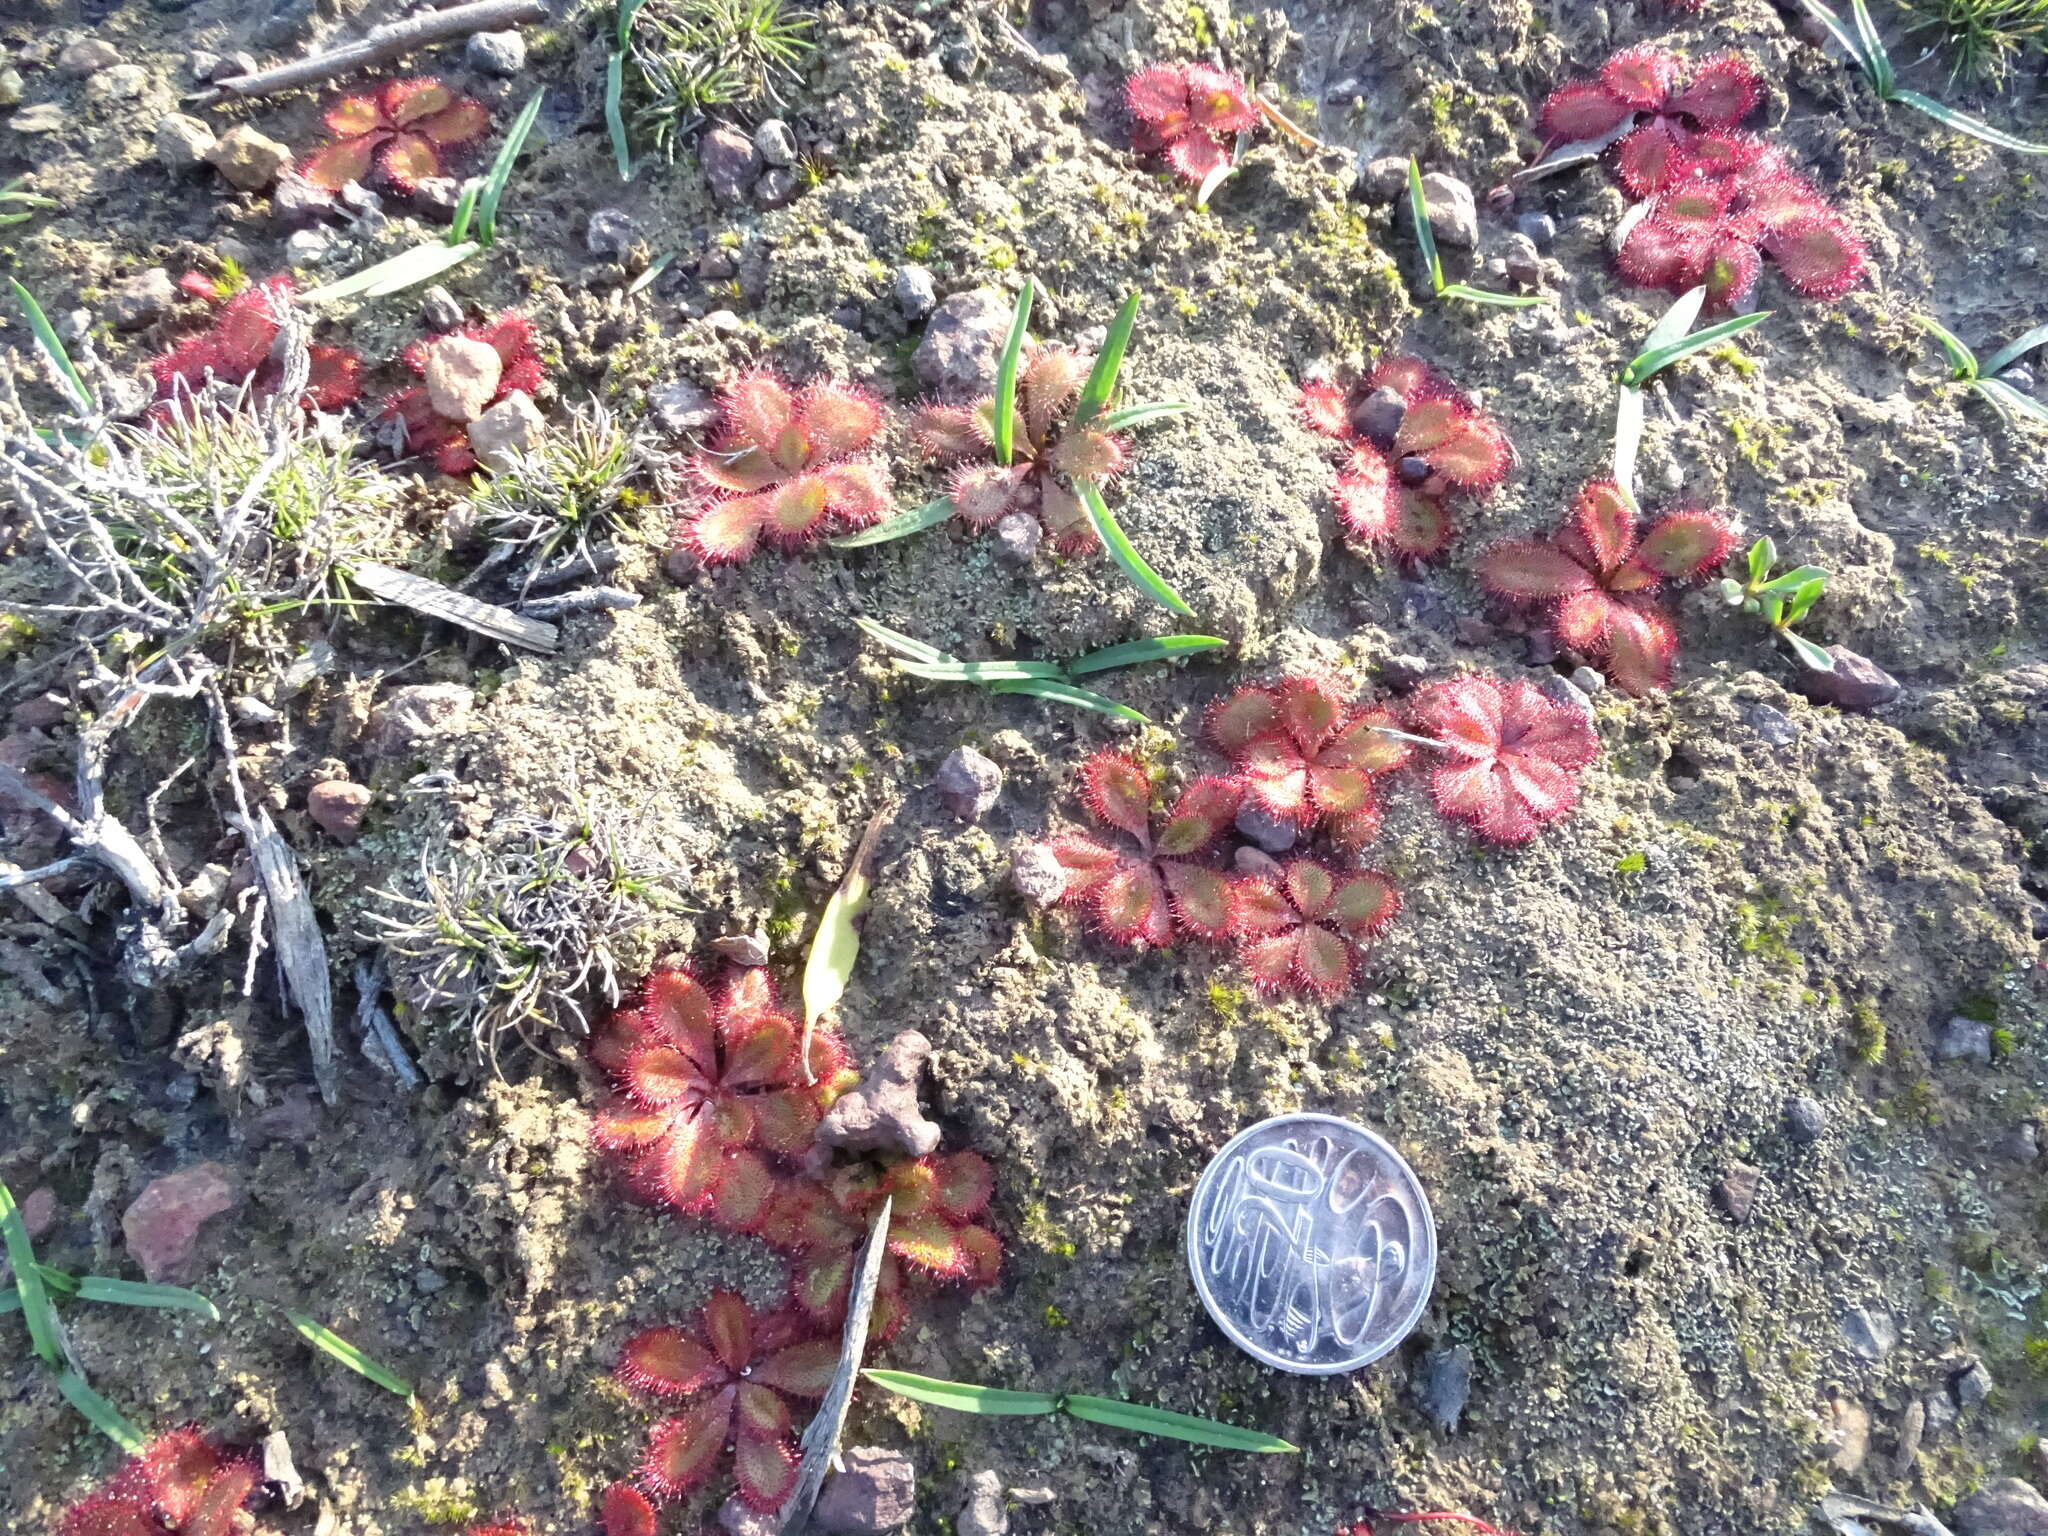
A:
390, 41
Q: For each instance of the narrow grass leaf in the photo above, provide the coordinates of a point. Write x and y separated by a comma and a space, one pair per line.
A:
1138, 415
2011, 401
1628, 436
836, 946
1174, 1426
961, 1396
105, 1417
1425, 237
1212, 181
57, 1280
901, 526
1649, 364
655, 268
1960, 357
333, 1344
1067, 693
1962, 122
1483, 296
1006, 376
1847, 39
394, 273
901, 643
28, 1280
1101, 383
465, 212
628, 9
2006, 356
614, 115
980, 671
1808, 652
1676, 320
1125, 554
131, 1293
501, 170
52, 347
1877, 59
1129, 654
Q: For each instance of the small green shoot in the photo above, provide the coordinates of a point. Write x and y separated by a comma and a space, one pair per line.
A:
1671, 340
615, 87
43, 1333
2011, 403
1041, 679
335, 1346
1125, 553
903, 524
1781, 601
1863, 44
964, 1397
104, 1416
395, 274
18, 205
1005, 419
835, 948
1432, 259
1987, 37
480, 199
62, 369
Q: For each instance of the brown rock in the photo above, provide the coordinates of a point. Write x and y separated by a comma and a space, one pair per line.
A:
162, 1225
462, 377
337, 808
247, 159
1856, 683
882, 1114
1736, 1193
39, 1210
875, 1493
512, 426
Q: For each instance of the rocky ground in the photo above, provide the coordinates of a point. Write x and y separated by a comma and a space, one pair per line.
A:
1727, 1091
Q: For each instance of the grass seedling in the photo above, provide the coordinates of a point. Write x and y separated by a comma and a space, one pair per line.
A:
18, 205
1671, 340
964, 1397
699, 55
1041, 679
2008, 400
483, 197
615, 87
1987, 37
1781, 601
1433, 262
63, 372
335, 1347
835, 948
1860, 38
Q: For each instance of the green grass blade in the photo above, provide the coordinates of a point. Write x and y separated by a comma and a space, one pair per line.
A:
1960, 357
835, 947
1067, 693
897, 641
1843, 35
11, 1302
1473, 295
465, 212
52, 346
28, 1281
1877, 59
1102, 377
980, 671
628, 9
961, 1396
2006, 356
1648, 365
614, 115
1164, 1421
1676, 320
1006, 376
1139, 415
1628, 437
394, 274
655, 268
333, 1344
1792, 581
1425, 237
2009, 400
130, 1293
1212, 181
105, 1417
901, 526
1125, 554
1159, 648
1808, 652
1962, 122
57, 1280
501, 171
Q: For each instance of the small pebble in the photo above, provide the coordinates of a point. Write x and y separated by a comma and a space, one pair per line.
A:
1039, 877
123, 82
1401, 673
1805, 1119
968, 784
1588, 681
748, 949
337, 807
1444, 1384
232, 66
141, 300
610, 233
44, 117
1272, 834
1412, 469
87, 56
439, 311
717, 264
1018, 536
1256, 863
683, 406
1379, 415
1964, 1039
774, 141
1737, 1192
983, 1513
1540, 228
304, 247
1870, 1331
496, 53
916, 293
777, 187
1777, 728
512, 426
1971, 1385
10, 86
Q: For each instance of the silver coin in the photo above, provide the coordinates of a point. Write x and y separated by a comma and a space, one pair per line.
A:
1312, 1244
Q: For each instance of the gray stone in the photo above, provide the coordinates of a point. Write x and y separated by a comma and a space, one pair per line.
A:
248, 159
87, 56
10, 86
1856, 683
1912, 1425
123, 82
439, 311
297, 204
1383, 180
983, 1514
496, 53
437, 196
1971, 1385
1018, 537
44, 117
777, 187
1453, 215
281, 1472
461, 377
963, 342
1848, 1436
337, 807
915, 291
1270, 833
1039, 877
774, 142
1964, 1040
1379, 415
1541, 229
2005, 1506
304, 247
748, 949
231, 66
1870, 1331
882, 1114
717, 264
610, 232
1524, 267
1805, 1120
1737, 1192
1777, 728
141, 300
2022, 1144
1444, 1385
729, 161
2020, 377
968, 783
1588, 681
429, 1282
736, 1519
682, 406
407, 718
512, 426
723, 322
1405, 672
874, 1492
1940, 1413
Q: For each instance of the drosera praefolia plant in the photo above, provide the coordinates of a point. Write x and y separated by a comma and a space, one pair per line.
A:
966, 1397
1671, 340
1781, 601
2008, 399
1432, 258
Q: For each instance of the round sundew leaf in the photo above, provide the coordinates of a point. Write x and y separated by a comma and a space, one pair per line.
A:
1603, 517
1537, 726
407, 159
1270, 961
1531, 572
964, 1184
730, 1119
804, 1369
458, 123
1309, 709
675, 1006
1087, 863
668, 1361
759, 413
682, 1451
1358, 743
1422, 525
108, 1514
1473, 456
1409, 377
1364, 904
1779, 199
1050, 381
1195, 155
169, 1473
1339, 790
628, 1127
353, 116
1199, 816
1368, 505
1428, 423
1583, 110
1326, 408
1276, 778
1131, 906
741, 1198
1641, 646
1657, 254
1088, 454
1463, 713
765, 1469
1820, 255
1583, 619
627, 1512
1642, 77
1309, 886
659, 1075
1696, 204
759, 1412
747, 990
748, 470
684, 1165
913, 1187
1157, 96
984, 1252
1543, 789
405, 102
1204, 899
1733, 267
982, 493
949, 431
928, 1243
1262, 908
1469, 791
1117, 793
1322, 961
1722, 92
837, 419
786, 1121
820, 1285
729, 529
1219, 100
1066, 522
333, 377
1646, 159
760, 1049
336, 165
796, 510
1686, 545
729, 1329
1356, 828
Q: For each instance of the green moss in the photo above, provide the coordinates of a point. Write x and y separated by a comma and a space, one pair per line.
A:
439, 1501
1630, 863
1226, 1001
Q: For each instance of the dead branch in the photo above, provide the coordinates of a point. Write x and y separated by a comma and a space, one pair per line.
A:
301, 951
383, 44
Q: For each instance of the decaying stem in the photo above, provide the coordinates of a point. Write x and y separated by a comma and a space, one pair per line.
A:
392, 40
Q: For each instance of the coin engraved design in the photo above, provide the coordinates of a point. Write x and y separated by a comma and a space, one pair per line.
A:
1311, 1243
